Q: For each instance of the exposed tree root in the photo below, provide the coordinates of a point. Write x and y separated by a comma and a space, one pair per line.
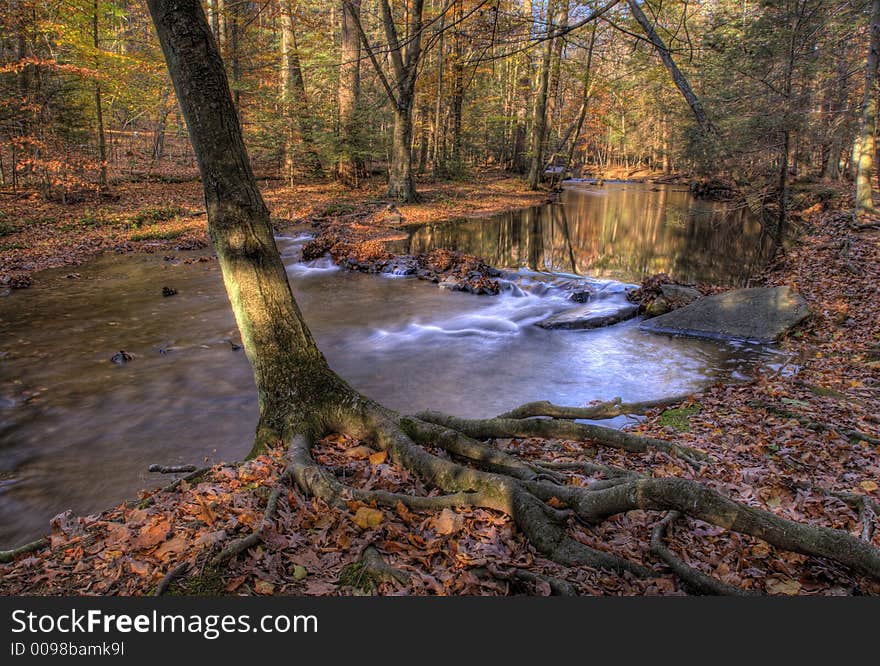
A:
604, 410
477, 474
12, 553
693, 579
376, 566
169, 578
558, 587
552, 428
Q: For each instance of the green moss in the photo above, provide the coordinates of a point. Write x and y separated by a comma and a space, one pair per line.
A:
7, 227
152, 215
678, 418
157, 233
208, 583
356, 575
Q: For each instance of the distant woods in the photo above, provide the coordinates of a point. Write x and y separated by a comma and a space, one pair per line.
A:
762, 93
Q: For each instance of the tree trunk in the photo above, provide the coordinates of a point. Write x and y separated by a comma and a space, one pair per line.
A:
349, 166
681, 82
863, 156
401, 180
292, 376
539, 124
298, 126
99, 112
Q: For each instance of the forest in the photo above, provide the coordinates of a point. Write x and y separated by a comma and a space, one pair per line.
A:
439, 297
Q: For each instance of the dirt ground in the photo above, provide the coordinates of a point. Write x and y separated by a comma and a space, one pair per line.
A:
157, 216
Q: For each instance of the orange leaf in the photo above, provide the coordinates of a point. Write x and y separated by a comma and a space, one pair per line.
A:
378, 458
367, 517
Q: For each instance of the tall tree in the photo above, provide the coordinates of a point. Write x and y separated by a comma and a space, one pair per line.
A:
349, 164
678, 77
99, 110
539, 123
864, 147
298, 131
400, 87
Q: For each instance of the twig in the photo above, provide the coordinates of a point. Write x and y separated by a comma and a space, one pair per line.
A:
172, 469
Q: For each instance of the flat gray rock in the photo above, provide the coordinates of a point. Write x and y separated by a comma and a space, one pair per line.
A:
761, 314
594, 315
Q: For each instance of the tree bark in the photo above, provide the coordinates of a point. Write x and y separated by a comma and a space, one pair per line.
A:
539, 124
863, 156
99, 111
298, 126
349, 166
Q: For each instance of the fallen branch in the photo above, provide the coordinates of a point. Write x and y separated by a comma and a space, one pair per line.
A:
172, 469
12, 553
604, 410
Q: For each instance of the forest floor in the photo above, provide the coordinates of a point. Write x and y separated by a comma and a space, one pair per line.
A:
160, 216
802, 441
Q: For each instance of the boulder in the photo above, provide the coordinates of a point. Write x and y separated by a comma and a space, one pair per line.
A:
595, 315
679, 293
760, 314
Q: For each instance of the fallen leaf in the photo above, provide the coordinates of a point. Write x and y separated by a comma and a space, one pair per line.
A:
785, 586
264, 587
378, 458
151, 534
359, 452
447, 522
367, 517
869, 486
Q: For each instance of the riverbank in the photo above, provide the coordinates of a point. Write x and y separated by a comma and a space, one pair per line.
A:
802, 442
165, 217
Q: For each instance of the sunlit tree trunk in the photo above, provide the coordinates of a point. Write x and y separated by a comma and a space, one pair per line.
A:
99, 111
681, 82
539, 124
863, 156
292, 377
349, 166
298, 128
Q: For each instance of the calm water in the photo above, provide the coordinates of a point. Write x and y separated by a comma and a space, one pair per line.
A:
78, 432
622, 231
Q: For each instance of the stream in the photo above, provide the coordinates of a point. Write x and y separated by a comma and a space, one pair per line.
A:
79, 432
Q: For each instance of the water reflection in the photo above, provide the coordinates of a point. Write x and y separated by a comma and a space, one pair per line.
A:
623, 231
77, 431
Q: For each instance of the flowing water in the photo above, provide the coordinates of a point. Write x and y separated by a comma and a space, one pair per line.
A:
78, 431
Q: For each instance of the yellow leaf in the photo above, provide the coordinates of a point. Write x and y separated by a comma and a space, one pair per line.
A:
264, 587
378, 458
359, 452
869, 486
367, 517
785, 586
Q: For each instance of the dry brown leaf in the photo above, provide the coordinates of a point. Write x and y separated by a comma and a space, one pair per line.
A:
785, 586
151, 534
447, 522
264, 587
